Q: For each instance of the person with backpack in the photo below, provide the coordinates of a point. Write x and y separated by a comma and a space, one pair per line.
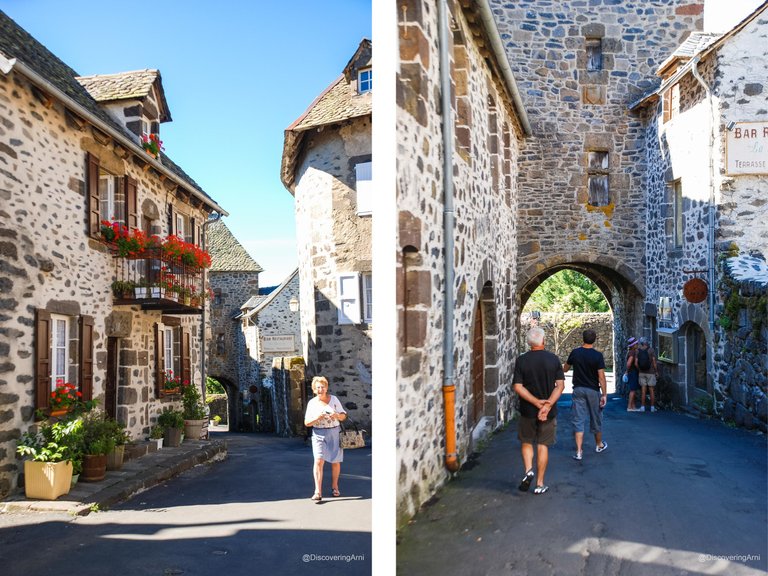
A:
648, 372
631, 375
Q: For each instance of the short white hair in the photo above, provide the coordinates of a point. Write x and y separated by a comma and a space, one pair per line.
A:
535, 336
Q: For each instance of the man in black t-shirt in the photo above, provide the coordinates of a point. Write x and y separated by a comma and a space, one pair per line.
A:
538, 381
589, 391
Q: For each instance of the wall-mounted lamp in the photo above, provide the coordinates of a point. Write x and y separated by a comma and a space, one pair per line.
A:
730, 126
293, 304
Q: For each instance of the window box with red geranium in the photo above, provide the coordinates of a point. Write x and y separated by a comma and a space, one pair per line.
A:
63, 398
152, 144
172, 384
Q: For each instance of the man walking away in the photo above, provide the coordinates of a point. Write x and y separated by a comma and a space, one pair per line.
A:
649, 371
590, 391
538, 381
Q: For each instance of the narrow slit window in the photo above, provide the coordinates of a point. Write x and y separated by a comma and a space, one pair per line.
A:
597, 179
594, 54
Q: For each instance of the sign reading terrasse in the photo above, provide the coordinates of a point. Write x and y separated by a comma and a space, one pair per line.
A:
746, 148
278, 344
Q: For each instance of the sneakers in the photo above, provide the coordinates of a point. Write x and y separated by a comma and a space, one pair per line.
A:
653, 408
602, 448
525, 483
577, 456
641, 409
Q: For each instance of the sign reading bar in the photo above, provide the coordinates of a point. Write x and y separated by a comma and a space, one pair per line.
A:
278, 344
746, 148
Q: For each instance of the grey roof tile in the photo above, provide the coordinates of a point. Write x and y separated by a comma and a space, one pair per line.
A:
120, 86
227, 254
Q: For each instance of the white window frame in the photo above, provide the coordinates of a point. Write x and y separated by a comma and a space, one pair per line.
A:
59, 371
146, 127
168, 350
180, 226
364, 187
108, 208
364, 80
367, 293
348, 310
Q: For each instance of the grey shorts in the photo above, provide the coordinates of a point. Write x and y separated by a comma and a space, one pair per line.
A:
647, 379
530, 430
586, 404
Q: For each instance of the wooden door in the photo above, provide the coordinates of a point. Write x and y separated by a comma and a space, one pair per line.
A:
110, 389
478, 367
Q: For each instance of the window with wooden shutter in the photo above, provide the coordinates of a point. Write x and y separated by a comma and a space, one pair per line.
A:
159, 358
131, 203
349, 298
94, 217
86, 357
186, 357
364, 187
42, 358
597, 178
171, 221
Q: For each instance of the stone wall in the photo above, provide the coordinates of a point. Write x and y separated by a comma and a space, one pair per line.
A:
289, 392
485, 152
574, 110
564, 332
332, 239
741, 361
49, 262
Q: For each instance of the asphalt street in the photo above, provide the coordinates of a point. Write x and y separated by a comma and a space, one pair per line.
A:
672, 495
249, 514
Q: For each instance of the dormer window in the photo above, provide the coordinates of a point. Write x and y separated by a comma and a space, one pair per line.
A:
364, 81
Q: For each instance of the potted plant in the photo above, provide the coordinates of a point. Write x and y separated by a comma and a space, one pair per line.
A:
50, 449
152, 144
171, 384
123, 289
121, 437
157, 433
98, 441
63, 398
194, 411
173, 423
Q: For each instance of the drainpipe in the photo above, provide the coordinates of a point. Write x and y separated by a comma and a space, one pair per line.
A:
711, 221
203, 347
449, 220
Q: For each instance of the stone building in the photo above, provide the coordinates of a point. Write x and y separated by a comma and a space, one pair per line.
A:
270, 324
326, 165
548, 165
234, 279
707, 171
456, 315
70, 157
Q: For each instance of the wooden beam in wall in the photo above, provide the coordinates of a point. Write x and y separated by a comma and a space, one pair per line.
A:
44, 98
100, 137
74, 121
121, 151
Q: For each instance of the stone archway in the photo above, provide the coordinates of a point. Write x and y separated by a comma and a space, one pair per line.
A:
234, 403
621, 286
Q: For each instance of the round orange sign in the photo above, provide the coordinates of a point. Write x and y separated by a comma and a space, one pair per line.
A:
695, 290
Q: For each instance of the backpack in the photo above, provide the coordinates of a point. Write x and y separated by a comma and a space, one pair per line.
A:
643, 360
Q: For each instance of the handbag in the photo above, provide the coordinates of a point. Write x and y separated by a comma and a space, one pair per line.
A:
349, 439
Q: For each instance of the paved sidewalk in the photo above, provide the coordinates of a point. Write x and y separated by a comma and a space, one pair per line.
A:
135, 476
671, 495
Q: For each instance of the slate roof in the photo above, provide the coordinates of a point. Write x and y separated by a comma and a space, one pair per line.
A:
136, 84
337, 103
695, 43
227, 254
15, 42
265, 300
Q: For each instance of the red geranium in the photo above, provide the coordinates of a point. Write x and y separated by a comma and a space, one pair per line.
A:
64, 396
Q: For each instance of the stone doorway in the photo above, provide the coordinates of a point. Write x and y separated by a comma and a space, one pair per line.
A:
695, 358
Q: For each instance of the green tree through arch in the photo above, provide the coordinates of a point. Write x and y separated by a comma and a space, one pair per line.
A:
567, 291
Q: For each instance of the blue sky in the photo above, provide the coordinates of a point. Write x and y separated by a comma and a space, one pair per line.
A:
235, 77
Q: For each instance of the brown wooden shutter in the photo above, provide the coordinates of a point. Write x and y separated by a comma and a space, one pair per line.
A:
42, 358
159, 359
94, 215
186, 360
86, 357
192, 231
131, 204
171, 221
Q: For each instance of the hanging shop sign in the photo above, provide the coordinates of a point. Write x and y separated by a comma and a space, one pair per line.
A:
695, 290
746, 148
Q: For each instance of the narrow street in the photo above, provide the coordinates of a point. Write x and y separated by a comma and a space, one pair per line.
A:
672, 495
249, 514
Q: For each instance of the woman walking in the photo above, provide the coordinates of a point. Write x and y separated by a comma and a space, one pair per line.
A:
324, 414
